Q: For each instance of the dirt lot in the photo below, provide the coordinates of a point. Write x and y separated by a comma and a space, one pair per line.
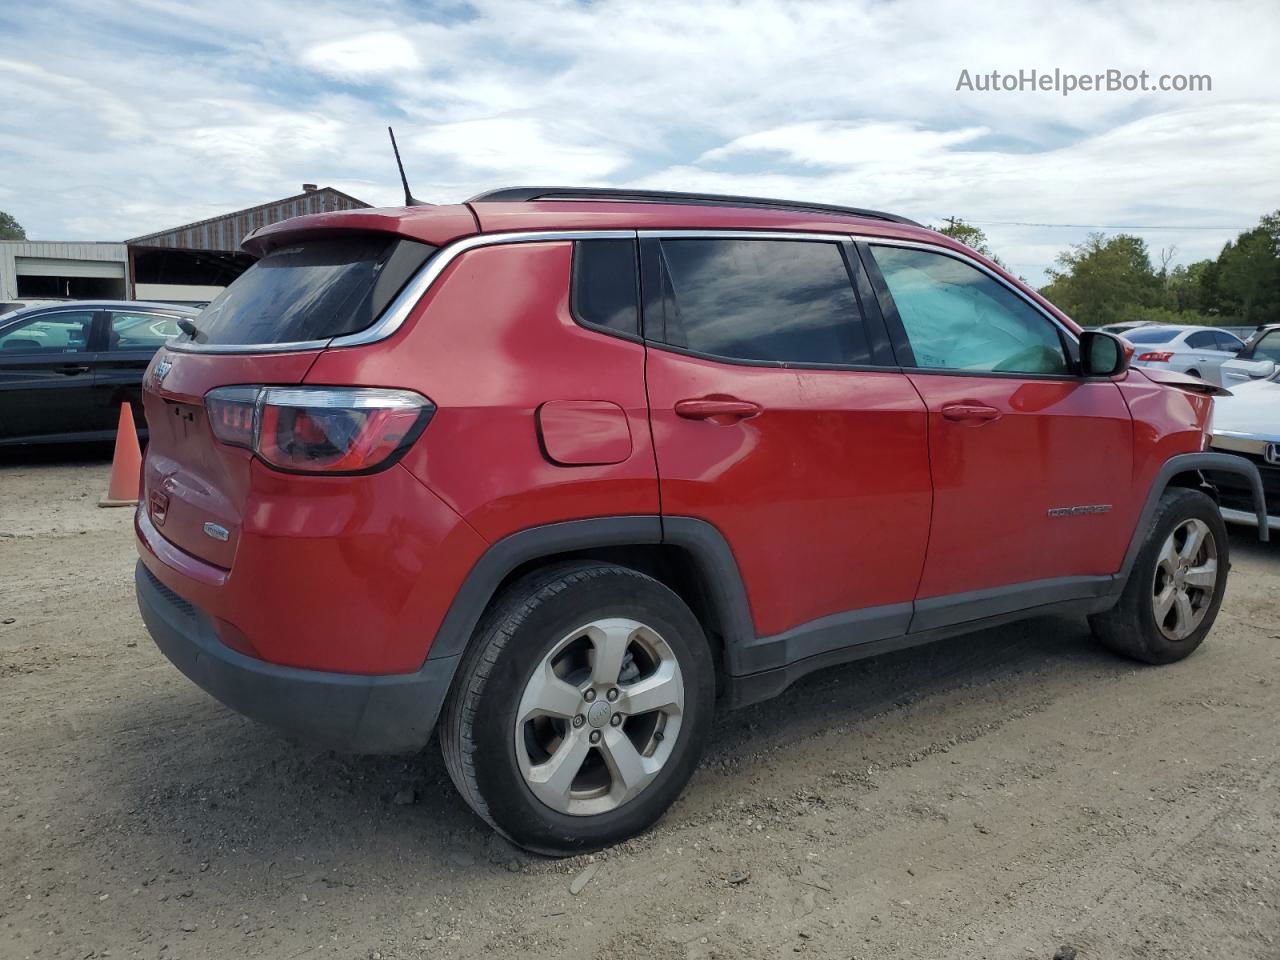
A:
1002, 795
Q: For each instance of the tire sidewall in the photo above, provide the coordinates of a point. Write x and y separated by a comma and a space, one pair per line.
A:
511, 804
1183, 506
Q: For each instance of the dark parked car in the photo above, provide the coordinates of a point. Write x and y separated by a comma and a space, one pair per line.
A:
65, 368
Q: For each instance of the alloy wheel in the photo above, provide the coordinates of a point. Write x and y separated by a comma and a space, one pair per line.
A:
599, 717
1186, 577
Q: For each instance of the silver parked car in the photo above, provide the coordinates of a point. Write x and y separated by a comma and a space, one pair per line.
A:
1199, 351
1259, 360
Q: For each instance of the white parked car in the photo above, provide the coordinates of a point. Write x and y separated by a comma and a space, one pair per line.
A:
1248, 423
1199, 351
1259, 360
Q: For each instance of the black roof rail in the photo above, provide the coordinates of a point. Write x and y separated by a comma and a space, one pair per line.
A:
526, 194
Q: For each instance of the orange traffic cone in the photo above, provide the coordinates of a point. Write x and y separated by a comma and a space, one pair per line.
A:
126, 464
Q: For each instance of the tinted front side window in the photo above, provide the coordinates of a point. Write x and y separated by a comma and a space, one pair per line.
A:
786, 301
605, 284
1227, 342
311, 291
959, 318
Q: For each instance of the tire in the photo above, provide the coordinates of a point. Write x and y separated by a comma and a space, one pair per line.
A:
1135, 627
540, 645
1194, 373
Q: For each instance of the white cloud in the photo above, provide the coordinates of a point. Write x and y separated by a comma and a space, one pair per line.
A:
520, 148
126, 118
363, 56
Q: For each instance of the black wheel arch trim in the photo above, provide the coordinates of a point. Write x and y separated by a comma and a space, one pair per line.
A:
1193, 463
710, 550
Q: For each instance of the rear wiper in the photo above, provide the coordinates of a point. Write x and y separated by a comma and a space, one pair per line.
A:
189, 328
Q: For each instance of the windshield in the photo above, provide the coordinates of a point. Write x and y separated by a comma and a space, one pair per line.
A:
1151, 336
311, 291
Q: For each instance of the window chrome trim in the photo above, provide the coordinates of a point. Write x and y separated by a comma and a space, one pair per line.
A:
870, 239
394, 316
398, 311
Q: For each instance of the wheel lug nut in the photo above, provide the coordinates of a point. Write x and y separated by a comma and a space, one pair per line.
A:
595, 736
612, 694
579, 720
589, 695
616, 719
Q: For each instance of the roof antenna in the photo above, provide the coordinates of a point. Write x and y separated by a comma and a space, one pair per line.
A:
409, 200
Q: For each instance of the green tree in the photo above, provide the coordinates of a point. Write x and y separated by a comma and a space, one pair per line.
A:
1246, 281
10, 229
1185, 285
1101, 280
972, 237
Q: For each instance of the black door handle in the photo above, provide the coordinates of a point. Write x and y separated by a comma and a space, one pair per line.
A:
70, 369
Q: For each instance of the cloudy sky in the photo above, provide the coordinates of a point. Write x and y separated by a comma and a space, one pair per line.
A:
120, 118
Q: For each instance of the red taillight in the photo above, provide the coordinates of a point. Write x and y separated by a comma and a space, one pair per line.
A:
231, 414
1156, 356
339, 430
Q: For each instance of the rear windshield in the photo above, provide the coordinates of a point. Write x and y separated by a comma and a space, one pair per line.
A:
311, 291
1150, 336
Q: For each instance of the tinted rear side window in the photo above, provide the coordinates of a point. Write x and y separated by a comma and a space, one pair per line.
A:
787, 301
1203, 340
312, 291
606, 284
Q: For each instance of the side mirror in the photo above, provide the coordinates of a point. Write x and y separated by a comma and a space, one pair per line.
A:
1103, 354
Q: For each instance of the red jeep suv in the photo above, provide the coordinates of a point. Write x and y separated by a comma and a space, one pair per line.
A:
562, 468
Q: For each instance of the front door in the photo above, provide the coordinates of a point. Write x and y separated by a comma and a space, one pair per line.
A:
46, 375
779, 418
1031, 463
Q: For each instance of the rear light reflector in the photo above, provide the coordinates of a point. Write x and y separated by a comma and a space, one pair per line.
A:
1157, 356
334, 430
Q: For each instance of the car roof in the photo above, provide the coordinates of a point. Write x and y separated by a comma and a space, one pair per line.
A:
543, 208
150, 306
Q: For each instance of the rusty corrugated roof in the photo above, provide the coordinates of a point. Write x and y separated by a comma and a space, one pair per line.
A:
226, 232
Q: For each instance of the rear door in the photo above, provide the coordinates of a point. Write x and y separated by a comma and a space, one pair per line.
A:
133, 337
1205, 353
1031, 463
46, 375
779, 418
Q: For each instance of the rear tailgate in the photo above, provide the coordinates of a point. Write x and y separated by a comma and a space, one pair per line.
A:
195, 489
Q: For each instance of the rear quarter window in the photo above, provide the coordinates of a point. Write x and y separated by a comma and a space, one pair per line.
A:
606, 285
312, 290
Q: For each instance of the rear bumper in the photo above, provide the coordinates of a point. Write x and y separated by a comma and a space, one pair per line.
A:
348, 712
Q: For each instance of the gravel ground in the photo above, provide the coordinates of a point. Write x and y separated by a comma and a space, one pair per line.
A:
1018, 793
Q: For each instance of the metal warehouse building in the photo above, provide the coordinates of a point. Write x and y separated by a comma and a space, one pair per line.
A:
187, 264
